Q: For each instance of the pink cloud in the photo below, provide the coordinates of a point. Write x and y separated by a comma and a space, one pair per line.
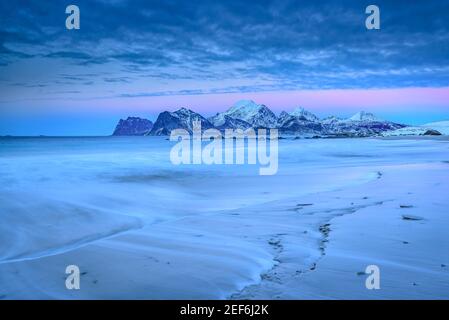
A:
321, 101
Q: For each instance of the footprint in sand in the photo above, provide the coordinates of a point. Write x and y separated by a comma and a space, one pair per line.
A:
325, 229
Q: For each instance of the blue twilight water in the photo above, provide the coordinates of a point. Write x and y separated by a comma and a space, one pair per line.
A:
56, 190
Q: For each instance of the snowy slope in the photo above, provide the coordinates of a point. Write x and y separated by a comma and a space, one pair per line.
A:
180, 119
302, 113
299, 121
365, 116
361, 124
257, 115
441, 126
246, 114
222, 122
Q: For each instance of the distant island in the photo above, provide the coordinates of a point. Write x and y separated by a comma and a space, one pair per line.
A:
247, 114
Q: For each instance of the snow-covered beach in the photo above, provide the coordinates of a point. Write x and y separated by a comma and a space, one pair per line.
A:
139, 227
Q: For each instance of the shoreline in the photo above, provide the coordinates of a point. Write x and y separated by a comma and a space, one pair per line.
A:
404, 274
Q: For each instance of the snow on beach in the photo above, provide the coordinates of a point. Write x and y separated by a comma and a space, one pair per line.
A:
139, 227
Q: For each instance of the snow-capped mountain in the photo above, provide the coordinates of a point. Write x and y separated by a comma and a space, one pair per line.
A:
330, 120
433, 128
304, 114
365, 116
222, 122
180, 119
299, 121
257, 115
361, 124
133, 126
248, 114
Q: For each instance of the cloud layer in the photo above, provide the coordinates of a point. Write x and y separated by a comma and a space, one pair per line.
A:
159, 48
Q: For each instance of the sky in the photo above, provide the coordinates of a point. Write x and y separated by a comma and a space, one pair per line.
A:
139, 58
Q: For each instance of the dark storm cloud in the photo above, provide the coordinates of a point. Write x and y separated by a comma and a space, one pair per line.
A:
295, 44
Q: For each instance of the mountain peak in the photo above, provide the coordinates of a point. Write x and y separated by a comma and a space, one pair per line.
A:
257, 115
245, 102
301, 112
183, 111
246, 105
133, 126
247, 114
364, 116
180, 119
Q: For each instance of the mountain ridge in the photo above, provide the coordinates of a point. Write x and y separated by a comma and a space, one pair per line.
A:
246, 114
